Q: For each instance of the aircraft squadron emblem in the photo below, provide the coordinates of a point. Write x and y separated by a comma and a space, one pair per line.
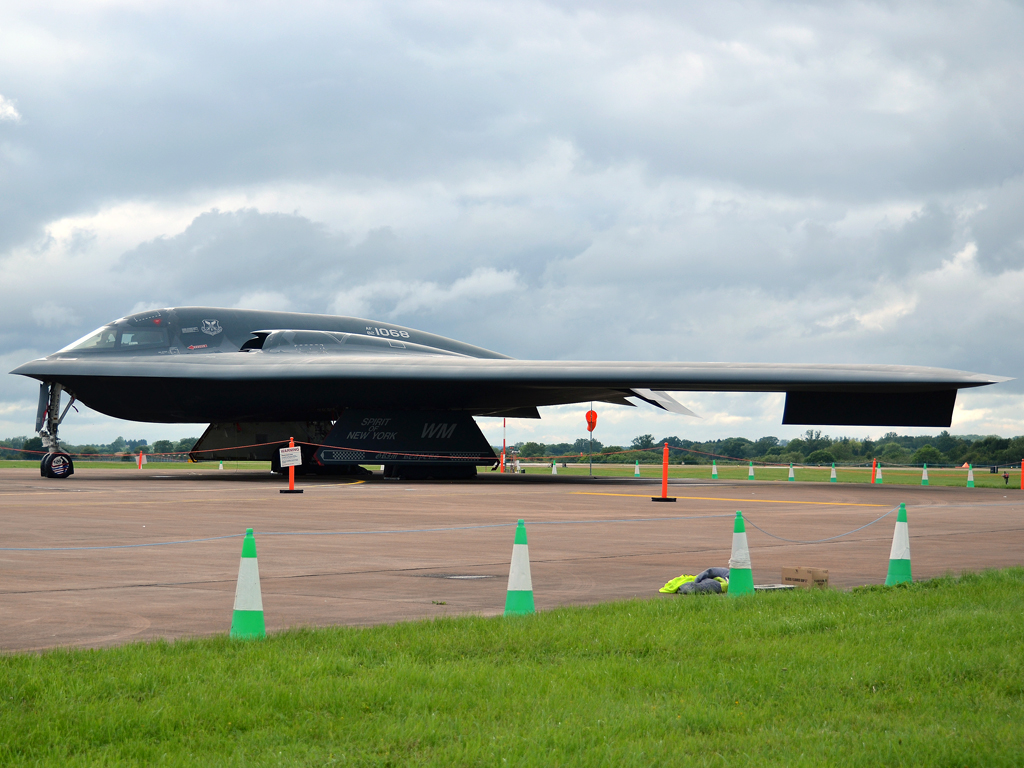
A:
211, 327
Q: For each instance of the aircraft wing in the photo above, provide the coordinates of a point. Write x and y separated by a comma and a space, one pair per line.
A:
256, 385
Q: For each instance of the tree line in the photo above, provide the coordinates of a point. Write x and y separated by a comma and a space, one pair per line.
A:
811, 448
32, 447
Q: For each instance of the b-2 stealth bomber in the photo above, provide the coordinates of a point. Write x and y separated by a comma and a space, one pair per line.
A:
355, 391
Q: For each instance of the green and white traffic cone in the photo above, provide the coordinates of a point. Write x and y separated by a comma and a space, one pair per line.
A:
832, 478
247, 621
519, 599
899, 556
750, 473
554, 467
878, 474
924, 475
970, 475
714, 470
792, 477
741, 579
636, 469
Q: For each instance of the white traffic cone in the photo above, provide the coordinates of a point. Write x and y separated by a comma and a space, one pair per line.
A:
519, 598
970, 476
741, 578
899, 555
832, 478
791, 477
714, 470
636, 469
247, 620
554, 467
924, 475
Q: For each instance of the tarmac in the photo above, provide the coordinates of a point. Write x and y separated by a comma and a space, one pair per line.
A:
358, 553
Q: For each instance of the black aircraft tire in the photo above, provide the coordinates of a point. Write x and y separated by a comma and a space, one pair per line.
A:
56, 465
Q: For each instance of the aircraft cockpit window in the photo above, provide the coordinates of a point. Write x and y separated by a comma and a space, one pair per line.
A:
102, 338
143, 337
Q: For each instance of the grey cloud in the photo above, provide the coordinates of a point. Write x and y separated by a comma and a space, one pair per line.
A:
999, 227
224, 254
849, 103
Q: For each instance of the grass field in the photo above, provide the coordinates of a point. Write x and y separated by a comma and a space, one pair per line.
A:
890, 476
152, 468
930, 675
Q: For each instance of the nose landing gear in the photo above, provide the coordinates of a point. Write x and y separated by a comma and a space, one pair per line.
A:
56, 463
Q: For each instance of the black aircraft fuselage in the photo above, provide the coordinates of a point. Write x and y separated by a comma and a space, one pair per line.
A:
194, 364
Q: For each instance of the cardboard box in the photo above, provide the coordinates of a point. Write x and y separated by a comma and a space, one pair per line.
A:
806, 578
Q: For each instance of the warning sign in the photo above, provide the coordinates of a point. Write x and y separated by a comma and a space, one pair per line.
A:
291, 457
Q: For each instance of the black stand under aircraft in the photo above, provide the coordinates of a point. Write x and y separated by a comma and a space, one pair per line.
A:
357, 391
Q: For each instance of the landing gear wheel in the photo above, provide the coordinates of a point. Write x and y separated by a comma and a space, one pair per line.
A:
57, 465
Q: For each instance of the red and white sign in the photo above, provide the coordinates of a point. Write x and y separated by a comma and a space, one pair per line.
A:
291, 457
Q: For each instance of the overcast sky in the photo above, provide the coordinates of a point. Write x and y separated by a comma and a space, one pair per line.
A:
733, 181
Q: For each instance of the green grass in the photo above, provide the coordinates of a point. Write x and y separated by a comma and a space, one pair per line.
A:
890, 476
930, 675
154, 467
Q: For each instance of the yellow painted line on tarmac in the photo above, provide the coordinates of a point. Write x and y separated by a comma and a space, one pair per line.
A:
747, 500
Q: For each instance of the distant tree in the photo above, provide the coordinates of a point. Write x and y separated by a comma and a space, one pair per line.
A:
117, 445
33, 444
789, 457
184, 446
163, 446
642, 442
945, 442
611, 449
765, 444
734, 447
842, 450
583, 445
894, 453
646, 457
531, 449
673, 442
796, 445
820, 457
927, 454
89, 450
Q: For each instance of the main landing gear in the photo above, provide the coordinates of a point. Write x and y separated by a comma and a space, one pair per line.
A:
56, 463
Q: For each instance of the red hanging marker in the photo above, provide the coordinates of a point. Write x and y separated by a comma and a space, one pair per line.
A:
591, 420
